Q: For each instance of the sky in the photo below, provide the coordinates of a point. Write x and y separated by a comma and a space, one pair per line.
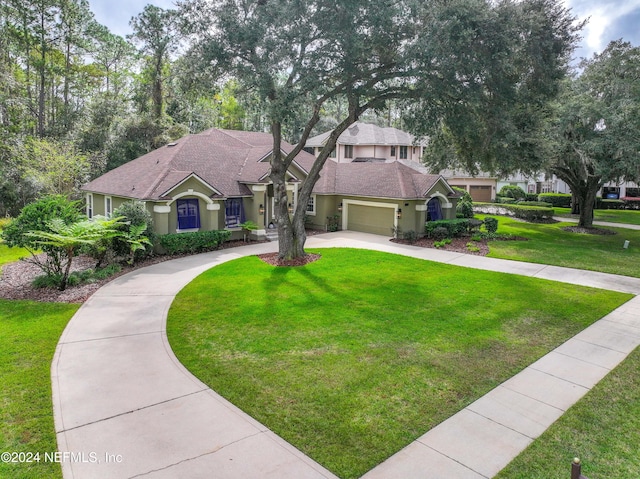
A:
608, 19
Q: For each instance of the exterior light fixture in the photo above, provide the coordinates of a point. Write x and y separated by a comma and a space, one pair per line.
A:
399, 213
290, 208
261, 209
340, 207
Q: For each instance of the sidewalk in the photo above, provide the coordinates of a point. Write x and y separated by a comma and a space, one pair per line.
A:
125, 407
599, 223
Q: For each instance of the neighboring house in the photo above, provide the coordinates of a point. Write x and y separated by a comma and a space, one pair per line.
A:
368, 142
219, 179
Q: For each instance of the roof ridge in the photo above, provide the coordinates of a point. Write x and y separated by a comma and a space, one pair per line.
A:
178, 145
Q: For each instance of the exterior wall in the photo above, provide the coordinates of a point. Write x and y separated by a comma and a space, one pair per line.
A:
467, 183
382, 152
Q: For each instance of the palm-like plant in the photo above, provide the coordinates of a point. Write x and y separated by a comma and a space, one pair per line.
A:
69, 238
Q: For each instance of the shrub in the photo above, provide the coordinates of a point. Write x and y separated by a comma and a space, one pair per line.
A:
194, 242
531, 197
465, 196
512, 191
505, 200
134, 214
472, 247
454, 228
603, 204
411, 236
36, 217
4, 222
464, 209
491, 224
440, 244
535, 203
559, 200
438, 233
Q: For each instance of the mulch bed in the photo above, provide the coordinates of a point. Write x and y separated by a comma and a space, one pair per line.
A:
588, 231
458, 245
272, 259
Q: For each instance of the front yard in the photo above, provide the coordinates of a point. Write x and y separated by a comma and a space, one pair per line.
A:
29, 333
549, 244
354, 356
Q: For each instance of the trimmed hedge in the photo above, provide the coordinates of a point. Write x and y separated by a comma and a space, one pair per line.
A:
559, 200
527, 213
604, 204
454, 228
535, 203
194, 242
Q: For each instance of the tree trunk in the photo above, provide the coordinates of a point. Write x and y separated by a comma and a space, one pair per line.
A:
586, 203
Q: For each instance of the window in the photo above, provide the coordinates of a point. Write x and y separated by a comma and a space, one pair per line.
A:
108, 206
633, 192
234, 212
333, 153
188, 214
348, 151
403, 152
434, 210
393, 151
89, 205
311, 205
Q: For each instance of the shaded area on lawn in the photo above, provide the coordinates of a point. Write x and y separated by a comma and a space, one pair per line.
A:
353, 356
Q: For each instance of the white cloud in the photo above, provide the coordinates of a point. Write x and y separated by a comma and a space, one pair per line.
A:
602, 16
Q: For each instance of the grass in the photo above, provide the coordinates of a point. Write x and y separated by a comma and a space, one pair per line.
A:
549, 244
9, 255
603, 430
354, 356
29, 332
630, 217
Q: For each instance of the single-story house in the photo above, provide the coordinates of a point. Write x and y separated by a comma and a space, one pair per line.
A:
219, 179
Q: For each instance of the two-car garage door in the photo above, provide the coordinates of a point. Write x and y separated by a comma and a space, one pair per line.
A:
376, 218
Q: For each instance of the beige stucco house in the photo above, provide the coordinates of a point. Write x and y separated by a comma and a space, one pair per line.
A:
218, 179
367, 142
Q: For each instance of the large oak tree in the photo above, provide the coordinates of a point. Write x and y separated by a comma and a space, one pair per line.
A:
459, 60
597, 128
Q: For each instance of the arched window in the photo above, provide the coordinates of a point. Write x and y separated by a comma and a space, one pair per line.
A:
434, 210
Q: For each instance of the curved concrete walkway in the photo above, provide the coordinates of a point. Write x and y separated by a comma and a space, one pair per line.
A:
125, 407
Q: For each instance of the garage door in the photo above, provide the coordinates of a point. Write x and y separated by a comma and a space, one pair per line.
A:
480, 193
370, 219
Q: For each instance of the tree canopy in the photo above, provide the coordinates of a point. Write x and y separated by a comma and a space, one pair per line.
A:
597, 125
475, 72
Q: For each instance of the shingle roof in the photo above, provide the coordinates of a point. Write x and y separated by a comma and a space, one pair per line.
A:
224, 159
365, 134
228, 160
380, 180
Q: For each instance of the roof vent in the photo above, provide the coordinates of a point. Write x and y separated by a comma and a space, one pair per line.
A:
171, 144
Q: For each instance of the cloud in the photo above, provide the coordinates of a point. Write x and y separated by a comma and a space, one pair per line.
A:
607, 20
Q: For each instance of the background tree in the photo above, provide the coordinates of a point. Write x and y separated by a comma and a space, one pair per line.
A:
155, 31
597, 129
498, 64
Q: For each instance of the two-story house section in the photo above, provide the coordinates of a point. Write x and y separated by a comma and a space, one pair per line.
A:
365, 142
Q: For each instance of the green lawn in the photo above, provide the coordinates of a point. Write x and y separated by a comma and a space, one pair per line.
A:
549, 244
354, 356
603, 430
630, 217
9, 255
29, 332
